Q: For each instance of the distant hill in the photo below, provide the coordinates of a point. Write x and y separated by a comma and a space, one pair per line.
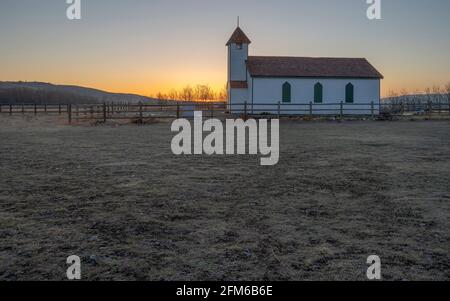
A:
40, 93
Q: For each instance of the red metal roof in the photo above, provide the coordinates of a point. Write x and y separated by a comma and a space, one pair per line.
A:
265, 66
238, 37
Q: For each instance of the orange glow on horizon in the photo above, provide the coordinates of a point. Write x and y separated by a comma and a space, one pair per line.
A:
150, 89
150, 78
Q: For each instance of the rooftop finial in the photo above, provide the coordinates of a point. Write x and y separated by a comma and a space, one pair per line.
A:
238, 21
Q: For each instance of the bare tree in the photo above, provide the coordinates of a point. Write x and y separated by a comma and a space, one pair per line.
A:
392, 93
404, 95
447, 91
173, 95
187, 94
393, 96
203, 92
223, 94
161, 96
436, 97
428, 94
198, 93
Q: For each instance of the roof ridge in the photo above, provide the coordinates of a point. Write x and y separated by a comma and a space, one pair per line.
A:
307, 57
287, 66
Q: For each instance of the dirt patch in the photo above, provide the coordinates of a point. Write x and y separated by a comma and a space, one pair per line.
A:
118, 198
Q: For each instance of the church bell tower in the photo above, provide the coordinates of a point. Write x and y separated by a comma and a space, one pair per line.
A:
238, 46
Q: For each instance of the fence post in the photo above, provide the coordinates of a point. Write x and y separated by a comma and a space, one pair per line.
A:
372, 109
178, 110
342, 110
104, 112
10, 109
212, 110
245, 110
35, 109
279, 110
141, 120
23, 109
430, 108
69, 112
59, 109
45, 109
449, 105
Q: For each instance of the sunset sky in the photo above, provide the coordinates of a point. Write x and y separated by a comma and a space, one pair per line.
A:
144, 46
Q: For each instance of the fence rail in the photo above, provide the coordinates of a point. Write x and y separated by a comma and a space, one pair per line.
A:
140, 112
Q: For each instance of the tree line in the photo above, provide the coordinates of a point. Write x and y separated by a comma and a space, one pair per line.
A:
434, 94
194, 93
24, 95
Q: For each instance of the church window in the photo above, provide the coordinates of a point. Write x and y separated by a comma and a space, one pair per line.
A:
349, 93
318, 93
287, 92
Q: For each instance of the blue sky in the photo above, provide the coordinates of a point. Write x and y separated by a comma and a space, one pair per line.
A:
144, 46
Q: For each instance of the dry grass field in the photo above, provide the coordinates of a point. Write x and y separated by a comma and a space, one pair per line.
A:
118, 198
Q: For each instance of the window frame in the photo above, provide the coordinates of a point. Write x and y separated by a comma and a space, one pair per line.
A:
318, 93
349, 94
286, 93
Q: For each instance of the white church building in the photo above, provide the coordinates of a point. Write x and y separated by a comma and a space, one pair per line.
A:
299, 85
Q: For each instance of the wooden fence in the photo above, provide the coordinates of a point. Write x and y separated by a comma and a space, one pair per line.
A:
171, 110
107, 111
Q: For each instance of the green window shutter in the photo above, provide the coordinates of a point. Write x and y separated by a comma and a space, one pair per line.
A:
349, 93
286, 92
318, 93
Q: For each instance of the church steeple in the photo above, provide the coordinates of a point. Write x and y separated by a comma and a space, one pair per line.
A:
238, 46
238, 37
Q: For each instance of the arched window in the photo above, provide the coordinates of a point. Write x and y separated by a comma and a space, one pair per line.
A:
318, 93
349, 93
287, 92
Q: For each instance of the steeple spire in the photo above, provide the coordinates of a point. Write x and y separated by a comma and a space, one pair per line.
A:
238, 37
